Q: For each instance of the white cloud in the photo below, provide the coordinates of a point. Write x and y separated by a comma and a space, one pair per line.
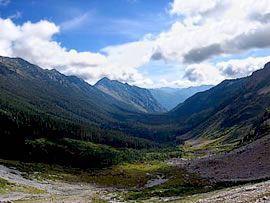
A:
212, 74
213, 29
214, 22
203, 74
192, 7
240, 68
132, 54
8, 34
34, 42
206, 29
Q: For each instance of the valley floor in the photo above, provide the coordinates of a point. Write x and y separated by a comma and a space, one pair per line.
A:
25, 182
62, 191
30, 190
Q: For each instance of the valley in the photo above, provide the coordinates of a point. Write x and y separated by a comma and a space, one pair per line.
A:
133, 101
113, 142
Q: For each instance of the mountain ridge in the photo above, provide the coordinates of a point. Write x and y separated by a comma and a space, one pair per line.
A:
140, 98
231, 110
224, 114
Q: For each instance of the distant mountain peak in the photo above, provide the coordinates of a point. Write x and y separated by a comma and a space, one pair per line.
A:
104, 79
171, 97
140, 98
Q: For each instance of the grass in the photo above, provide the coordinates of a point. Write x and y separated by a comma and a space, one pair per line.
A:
7, 187
180, 183
96, 198
214, 140
206, 147
125, 176
133, 178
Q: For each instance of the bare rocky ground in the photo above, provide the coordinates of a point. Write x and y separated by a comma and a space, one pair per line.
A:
250, 162
247, 163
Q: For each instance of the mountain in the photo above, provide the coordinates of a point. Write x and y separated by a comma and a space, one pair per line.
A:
29, 89
171, 97
140, 98
218, 118
47, 116
43, 113
24, 84
226, 113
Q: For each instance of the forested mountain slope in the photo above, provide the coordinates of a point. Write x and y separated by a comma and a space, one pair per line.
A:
45, 112
48, 116
48, 90
231, 110
139, 98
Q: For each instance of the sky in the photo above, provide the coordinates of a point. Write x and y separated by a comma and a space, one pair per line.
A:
148, 43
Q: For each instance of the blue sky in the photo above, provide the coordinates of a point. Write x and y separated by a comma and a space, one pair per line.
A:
148, 43
94, 24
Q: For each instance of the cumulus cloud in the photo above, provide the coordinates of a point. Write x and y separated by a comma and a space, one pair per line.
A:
240, 68
263, 18
203, 74
200, 54
132, 54
34, 42
254, 39
206, 29
208, 73
192, 7
195, 75
157, 56
212, 28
